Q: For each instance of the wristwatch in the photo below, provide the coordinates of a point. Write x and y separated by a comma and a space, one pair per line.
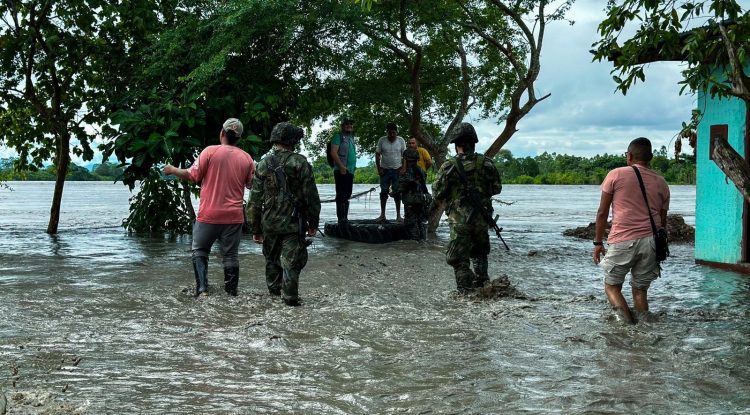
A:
598, 243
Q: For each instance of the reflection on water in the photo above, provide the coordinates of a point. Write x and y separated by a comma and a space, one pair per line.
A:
379, 331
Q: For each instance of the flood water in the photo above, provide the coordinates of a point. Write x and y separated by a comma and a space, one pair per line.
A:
96, 321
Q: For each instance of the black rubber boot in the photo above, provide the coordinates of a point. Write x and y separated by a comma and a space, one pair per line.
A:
274, 286
481, 271
290, 287
200, 266
231, 279
464, 279
342, 211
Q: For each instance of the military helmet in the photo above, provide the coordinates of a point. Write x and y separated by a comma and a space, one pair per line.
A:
463, 133
411, 154
286, 133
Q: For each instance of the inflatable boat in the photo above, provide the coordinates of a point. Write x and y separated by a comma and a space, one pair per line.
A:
367, 231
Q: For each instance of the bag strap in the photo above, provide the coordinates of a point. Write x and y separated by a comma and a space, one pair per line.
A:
643, 191
278, 170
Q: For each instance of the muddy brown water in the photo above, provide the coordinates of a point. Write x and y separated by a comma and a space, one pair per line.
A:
96, 321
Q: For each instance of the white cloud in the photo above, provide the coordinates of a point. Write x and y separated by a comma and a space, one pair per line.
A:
584, 115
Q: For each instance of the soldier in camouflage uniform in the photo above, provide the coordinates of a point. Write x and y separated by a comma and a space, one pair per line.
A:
284, 207
470, 241
412, 190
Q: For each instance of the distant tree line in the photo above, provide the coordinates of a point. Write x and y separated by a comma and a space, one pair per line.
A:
106, 171
556, 168
547, 168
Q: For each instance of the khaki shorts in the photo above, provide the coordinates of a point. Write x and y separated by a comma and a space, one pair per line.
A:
637, 257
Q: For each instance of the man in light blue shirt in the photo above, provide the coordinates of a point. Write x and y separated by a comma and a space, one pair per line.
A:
344, 155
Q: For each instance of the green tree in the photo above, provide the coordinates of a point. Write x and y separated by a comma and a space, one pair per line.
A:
56, 64
715, 54
258, 61
77, 173
108, 171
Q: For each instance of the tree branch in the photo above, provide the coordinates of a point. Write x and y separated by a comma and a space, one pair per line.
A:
513, 14
505, 50
740, 81
526, 84
463, 107
732, 164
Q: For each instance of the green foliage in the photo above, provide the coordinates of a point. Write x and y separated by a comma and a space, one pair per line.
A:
323, 172
102, 172
158, 207
253, 60
61, 66
546, 168
655, 30
108, 171
404, 66
566, 169
367, 174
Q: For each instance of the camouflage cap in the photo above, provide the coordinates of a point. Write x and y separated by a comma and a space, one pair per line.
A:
463, 133
233, 124
411, 154
286, 133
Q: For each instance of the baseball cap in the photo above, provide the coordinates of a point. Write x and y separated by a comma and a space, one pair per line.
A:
233, 124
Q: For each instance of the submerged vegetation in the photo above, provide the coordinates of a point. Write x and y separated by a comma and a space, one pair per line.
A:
547, 168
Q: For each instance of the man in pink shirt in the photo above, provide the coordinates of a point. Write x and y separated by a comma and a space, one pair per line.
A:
223, 171
631, 239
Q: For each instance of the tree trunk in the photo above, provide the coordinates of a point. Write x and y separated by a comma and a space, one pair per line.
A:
733, 165
62, 163
434, 215
186, 195
437, 208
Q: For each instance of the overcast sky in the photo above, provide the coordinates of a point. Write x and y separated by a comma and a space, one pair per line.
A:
584, 116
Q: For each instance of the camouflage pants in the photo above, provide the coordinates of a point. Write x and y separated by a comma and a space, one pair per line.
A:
469, 244
286, 255
414, 222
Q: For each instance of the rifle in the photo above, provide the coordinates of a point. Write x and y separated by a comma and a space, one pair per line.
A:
475, 199
278, 171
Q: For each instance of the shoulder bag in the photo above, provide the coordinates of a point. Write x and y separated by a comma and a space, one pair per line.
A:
660, 235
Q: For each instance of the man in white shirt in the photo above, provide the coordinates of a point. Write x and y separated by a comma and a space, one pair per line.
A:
388, 159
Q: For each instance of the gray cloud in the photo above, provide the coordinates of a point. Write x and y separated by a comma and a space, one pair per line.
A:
584, 115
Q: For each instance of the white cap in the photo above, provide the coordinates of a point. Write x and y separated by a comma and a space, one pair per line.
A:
233, 124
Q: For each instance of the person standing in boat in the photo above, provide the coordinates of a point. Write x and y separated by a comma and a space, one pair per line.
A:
412, 190
389, 161
470, 240
284, 208
344, 155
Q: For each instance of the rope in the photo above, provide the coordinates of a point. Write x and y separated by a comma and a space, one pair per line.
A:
354, 196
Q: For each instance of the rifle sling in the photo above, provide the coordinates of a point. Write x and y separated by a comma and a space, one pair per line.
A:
469, 188
278, 171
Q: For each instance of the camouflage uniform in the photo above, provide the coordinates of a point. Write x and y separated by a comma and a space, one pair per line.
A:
412, 191
272, 213
469, 241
